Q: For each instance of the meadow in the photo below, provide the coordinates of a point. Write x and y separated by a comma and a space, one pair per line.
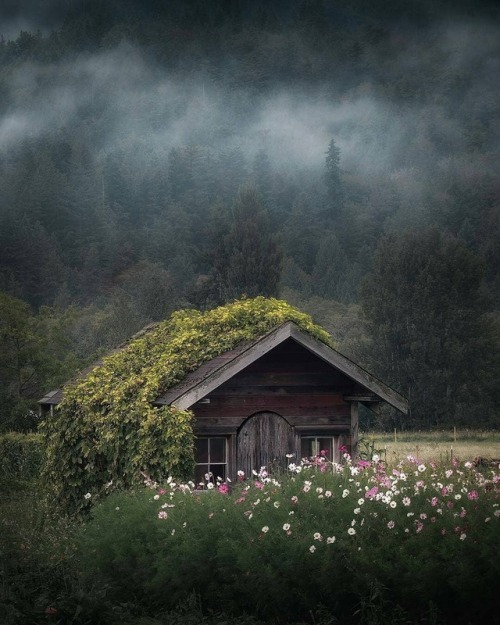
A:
437, 445
406, 541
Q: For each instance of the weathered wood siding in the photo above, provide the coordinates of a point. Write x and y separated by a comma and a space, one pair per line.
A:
289, 381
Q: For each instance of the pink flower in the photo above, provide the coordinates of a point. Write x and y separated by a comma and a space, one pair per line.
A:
370, 494
434, 501
420, 526
444, 491
472, 495
259, 485
223, 488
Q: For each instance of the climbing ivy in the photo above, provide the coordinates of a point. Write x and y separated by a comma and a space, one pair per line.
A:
106, 434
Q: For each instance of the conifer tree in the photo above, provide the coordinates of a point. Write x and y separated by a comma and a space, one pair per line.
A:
333, 180
245, 256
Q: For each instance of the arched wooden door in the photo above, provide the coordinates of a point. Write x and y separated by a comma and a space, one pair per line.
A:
264, 439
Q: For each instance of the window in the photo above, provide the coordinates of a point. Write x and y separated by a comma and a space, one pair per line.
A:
319, 445
211, 457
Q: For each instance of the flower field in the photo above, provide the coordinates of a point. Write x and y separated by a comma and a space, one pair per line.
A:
413, 543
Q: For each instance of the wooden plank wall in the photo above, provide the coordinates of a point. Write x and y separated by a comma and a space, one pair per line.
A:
290, 381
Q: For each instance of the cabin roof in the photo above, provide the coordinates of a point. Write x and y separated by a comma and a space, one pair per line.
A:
199, 383
210, 375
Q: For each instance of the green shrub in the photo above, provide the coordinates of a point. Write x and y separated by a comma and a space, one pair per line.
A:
370, 546
20, 459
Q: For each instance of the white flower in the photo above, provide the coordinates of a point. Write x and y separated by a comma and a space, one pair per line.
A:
117, 508
265, 529
345, 493
312, 548
156, 497
162, 514
173, 532
463, 536
276, 504
361, 502
406, 501
317, 536
375, 457
393, 504
87, 496
357, 510
286, 526
289, 456
319, 490
330, 540
210, 486
390, 525
351, 531
458, 496
241, 473
421, 468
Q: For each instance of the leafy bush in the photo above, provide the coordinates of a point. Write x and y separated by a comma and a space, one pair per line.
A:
418, 544
106, 433
20, 459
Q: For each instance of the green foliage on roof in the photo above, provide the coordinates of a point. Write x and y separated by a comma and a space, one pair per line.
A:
106, 434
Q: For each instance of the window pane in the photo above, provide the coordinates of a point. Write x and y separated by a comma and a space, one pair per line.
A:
201, 451
305, 448
217, 450
219, 470
199, 473
325, 445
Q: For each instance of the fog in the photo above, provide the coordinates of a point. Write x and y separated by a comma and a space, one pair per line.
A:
123, 95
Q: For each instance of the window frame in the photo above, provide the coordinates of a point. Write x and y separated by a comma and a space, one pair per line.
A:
209, 464
334, 438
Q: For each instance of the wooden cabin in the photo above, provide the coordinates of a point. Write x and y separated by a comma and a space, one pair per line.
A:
280, 398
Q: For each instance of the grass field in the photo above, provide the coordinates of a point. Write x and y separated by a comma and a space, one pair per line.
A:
436, 445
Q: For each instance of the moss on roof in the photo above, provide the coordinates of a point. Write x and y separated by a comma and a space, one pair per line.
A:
106, 428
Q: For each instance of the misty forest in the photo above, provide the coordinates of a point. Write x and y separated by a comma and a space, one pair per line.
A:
343, 156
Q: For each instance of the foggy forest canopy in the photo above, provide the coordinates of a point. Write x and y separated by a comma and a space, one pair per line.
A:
342, 156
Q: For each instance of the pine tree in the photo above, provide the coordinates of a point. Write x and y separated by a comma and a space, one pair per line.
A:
430, 336
333, 180
245, 256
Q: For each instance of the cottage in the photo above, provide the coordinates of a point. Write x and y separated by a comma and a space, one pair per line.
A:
285, 393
